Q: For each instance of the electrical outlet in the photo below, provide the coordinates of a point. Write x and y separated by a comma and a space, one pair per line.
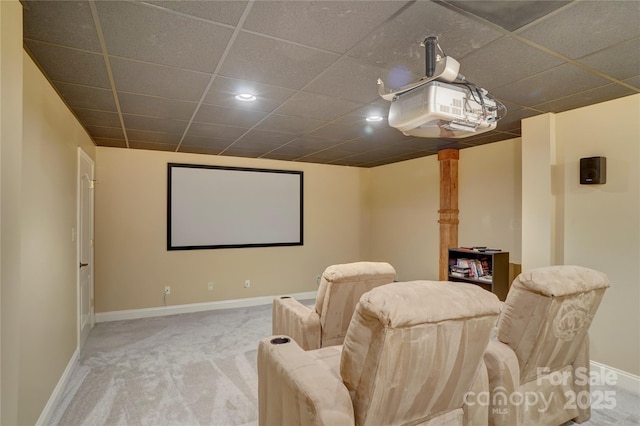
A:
318, 279
247, 283
167, 290
210, 285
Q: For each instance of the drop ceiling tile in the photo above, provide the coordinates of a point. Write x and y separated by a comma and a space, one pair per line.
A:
157, 80
616, 61
350, 162
362, 145
334, 25
199, 150
113, 143
289, 124
379, 107
589, 97
381, 133
313, 144
364, 158
267, 137
556, 83
86, 97
152, 35
223, 92
396, 44
338, 131
510, 15
327, 155
319, 107
586, 27
634, 81
207, 142
348, 79
215, 131
294, 151
70, 65
504, 61
275, 62
258, 146
484, 139
153, 137
105, 132
226, 12
424, 144
394, 151
228, 116
90, 117
419, 144
67, 23
239, 152
153, 124
152, 146
152, 106
275, 155
513, 119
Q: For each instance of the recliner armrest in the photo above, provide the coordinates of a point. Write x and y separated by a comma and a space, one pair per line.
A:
301, 323
504, 381
295, 388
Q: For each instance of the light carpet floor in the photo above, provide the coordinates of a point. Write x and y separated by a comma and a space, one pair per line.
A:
195, 369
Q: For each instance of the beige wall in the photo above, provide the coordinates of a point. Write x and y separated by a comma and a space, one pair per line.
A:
539, 222
403, 204
133, 265
38, 152
602, 222
404, 199
489, 186
597, 226
10, 180
48, 302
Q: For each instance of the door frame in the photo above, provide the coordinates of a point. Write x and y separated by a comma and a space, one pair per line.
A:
83, 156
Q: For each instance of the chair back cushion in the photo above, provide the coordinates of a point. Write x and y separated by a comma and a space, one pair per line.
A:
547, 315
413, 349
340, 289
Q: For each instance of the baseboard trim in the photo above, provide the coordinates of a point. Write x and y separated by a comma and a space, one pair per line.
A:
193, 307
56, 395
622, 379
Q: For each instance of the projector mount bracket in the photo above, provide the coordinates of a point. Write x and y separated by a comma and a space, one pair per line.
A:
437, 67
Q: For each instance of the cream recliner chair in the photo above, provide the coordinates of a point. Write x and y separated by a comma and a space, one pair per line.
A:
538, 361
340, 289
412, 353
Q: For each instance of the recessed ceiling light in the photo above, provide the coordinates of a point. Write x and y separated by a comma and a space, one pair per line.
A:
374, 118
246, 97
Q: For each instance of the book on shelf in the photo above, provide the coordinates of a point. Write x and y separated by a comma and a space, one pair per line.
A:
471, 268
459, 271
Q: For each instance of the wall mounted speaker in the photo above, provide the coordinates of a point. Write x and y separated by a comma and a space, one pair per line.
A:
593, 170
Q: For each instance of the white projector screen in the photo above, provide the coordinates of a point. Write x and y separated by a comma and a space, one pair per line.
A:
227, 207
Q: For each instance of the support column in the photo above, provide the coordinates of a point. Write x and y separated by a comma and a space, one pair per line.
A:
448, 221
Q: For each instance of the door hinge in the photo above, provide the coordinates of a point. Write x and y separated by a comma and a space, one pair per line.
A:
92, 302
92, 183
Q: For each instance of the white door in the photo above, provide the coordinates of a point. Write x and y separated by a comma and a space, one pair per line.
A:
85, 245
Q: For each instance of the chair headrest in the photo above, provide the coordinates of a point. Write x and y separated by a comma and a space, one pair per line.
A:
561, 280
410, 303
358, 271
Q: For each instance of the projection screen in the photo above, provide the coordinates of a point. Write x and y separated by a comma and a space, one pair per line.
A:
227, 207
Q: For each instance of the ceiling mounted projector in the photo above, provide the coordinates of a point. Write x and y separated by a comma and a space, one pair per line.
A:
443, 104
